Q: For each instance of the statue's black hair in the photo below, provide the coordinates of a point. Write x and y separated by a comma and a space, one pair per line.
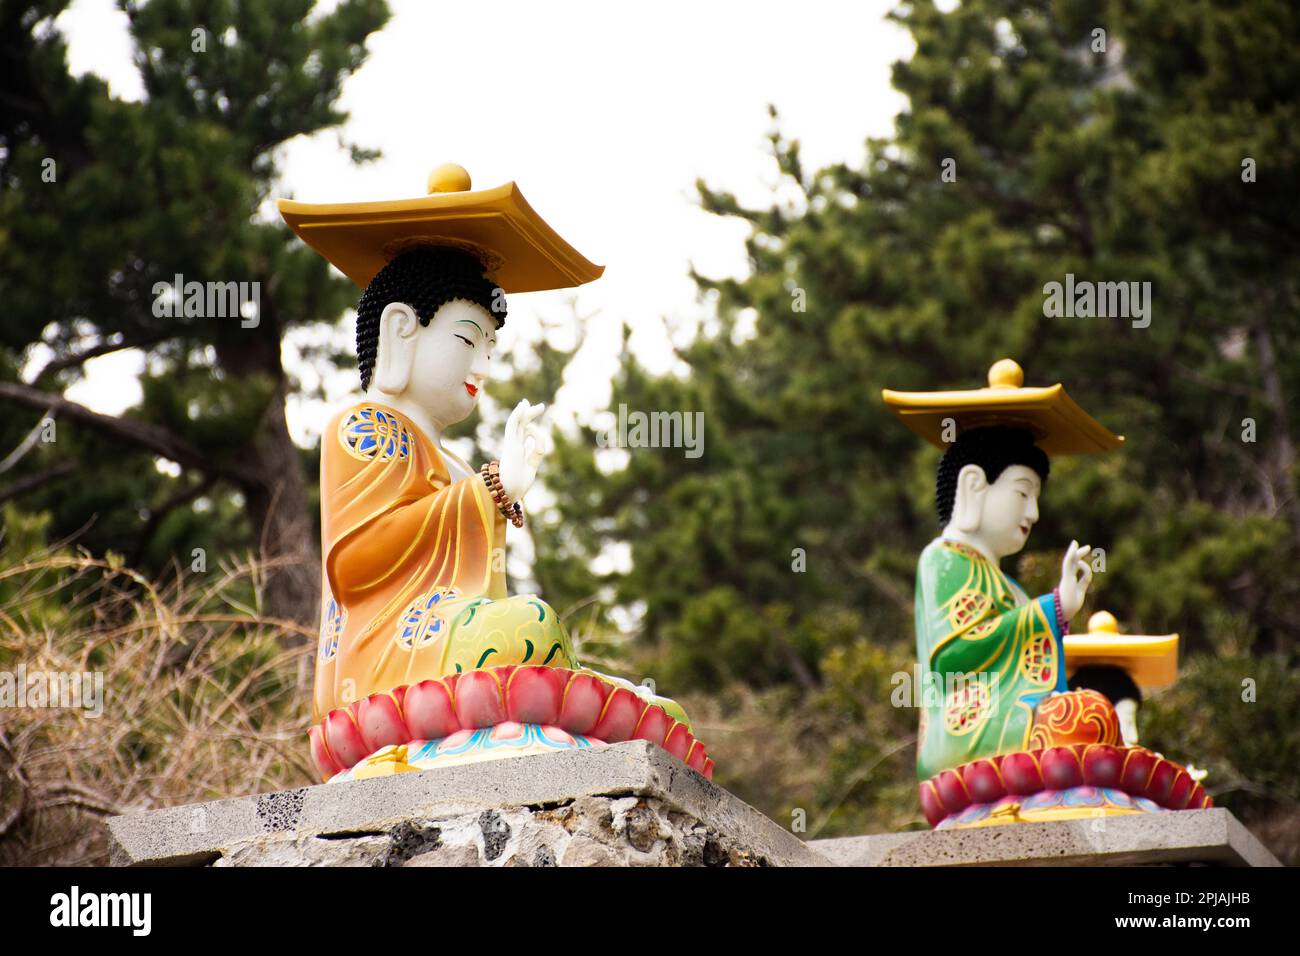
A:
995, 449
426, 279
1113, 683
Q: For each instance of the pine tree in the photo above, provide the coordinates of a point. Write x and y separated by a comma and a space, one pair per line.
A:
1116, 159
104, 202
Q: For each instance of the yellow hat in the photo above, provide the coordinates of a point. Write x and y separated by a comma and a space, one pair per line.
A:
1150, 659
519, 251
1059, 426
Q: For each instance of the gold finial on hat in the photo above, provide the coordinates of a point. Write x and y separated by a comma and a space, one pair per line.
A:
1103, 622
1006, 373
448, 178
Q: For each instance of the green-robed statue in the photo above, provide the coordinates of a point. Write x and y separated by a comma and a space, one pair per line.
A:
1002, 736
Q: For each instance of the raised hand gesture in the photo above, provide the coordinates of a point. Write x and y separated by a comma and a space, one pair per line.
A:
522, 450
1076, 575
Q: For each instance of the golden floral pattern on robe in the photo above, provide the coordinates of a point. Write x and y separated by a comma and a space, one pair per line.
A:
993, 651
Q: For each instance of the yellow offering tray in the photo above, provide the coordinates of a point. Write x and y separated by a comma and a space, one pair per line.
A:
1151, 660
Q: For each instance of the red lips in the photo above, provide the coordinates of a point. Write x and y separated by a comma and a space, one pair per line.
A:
472, 389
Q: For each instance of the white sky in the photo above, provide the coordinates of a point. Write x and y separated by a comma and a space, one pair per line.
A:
604, 114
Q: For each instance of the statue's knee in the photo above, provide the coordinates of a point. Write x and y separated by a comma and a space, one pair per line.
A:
1074, 717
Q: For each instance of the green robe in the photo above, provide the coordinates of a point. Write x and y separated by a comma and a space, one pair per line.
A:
987, 655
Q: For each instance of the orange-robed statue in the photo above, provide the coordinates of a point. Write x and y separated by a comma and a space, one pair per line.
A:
424, 659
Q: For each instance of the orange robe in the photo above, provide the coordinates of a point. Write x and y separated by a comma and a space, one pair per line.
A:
403, 547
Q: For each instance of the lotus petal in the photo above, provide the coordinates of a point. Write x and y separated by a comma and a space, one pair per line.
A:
558, 734
679, 740
1061, 769
510, 730
952, 791
479, 701
343, 738
1137, 771
1103, 766
1021, 774
1180, 790
931, 805
653, 726
533, 695
582, 703
320, 754
697, 756
429, 711
983, 782
1162, 779
623, 709
380, 722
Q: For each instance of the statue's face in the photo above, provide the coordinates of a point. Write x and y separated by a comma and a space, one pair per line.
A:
448, 359
1010, 510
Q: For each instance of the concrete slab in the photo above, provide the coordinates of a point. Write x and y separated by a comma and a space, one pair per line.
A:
628, 804
680, 817
1211, 836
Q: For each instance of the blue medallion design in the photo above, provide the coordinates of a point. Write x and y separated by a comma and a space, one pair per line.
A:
331, 628
371, 433
422, 624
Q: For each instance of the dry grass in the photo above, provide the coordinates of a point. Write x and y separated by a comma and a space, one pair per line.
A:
203, 697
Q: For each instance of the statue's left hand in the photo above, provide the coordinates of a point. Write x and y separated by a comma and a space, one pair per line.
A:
525, 444
1076, 575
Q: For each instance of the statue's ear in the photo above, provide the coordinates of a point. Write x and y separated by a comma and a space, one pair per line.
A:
397, 327
968, 508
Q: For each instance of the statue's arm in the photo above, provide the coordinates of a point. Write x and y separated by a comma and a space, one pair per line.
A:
972, 646
965, 629
457, 517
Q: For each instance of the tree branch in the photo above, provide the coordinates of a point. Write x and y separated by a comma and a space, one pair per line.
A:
144, 435
27, 444
32, 482
54, 366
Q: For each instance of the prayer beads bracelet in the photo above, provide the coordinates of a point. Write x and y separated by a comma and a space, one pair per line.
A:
1062, 624
512, 511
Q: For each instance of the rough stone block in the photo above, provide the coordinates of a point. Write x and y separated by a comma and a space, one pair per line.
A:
629, 804
1211, 836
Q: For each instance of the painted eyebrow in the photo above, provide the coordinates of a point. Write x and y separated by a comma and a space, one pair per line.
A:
490, 341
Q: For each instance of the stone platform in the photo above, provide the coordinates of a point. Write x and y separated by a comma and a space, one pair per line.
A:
627, 804
1212, 837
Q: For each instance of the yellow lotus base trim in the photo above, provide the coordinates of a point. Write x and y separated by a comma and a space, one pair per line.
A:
384, 762
1013, 813
509, 739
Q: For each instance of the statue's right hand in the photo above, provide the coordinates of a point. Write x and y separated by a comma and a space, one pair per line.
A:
522, 450
1076, 575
